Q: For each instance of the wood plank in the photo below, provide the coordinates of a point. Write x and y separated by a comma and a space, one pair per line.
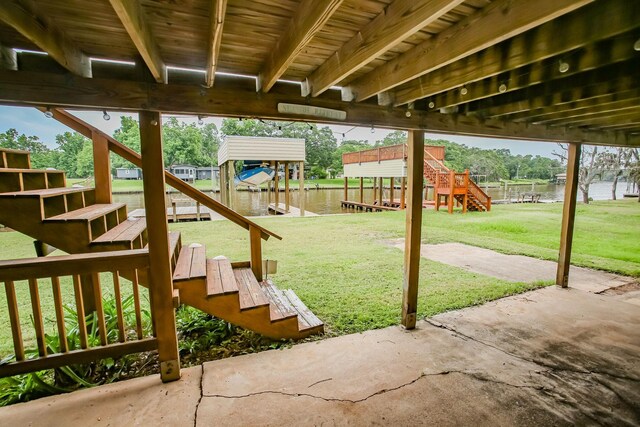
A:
499, 21
244, 294
82, 324
553, 38
59, 309
8, 58
214, 281
255, 243
88, 213
227, 275
309, 19
568, 215
279, 305
198, 262
14, 319
102, 325
125, 231
101, 168
217, 14
257, 294
159, 277
399, 20
135, 291
415, 163
37, 317
117, 295
135, 22
182, 269
306, 318
22, 16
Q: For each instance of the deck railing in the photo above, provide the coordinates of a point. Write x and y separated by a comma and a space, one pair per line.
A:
390, 152
64, 275
480, 195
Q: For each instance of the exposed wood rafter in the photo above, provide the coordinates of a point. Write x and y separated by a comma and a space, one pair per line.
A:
309, 18
134, 21
553, 38
218, 11
499, 21
239, 99
8, 58
39, 30
400, 19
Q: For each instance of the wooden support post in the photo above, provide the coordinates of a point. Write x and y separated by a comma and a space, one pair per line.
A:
255, 240
276, 187
231, 171
466, 191
452, 186
415, 158
568, 215
160, 275
381, 191
101, 168
402, 192
287, 200
223, 184
375, 190
361, 190
346, 188
391, 190
301, 181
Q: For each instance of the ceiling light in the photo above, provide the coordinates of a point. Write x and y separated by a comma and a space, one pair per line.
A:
636, 45
106, 115
502, 88
563, 67
373, 130
48, 113
464, 91
200, 121
432, 104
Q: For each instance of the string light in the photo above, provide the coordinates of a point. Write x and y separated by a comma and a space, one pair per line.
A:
154, 122
432, 104
409, 108
464, 90
502, 88
200, 121
373, 130
106, 115
48, 113
563, 67
636, 45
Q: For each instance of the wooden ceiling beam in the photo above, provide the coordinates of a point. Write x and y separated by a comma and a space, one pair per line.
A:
600, 54
615, 118
217, 14
497, 22
570, 114
135, 23
8, 58
237, 98
309, 18
562, 35
20, 15
398, 21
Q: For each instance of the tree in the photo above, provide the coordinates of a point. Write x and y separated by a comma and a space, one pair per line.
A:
70, 144
41, 156
347, 146
127, 134
616, 160
394, 138
590, 167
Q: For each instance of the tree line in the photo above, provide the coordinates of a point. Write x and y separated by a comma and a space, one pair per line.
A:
188, 143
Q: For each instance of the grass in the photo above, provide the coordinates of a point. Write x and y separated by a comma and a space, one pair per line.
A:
343, 268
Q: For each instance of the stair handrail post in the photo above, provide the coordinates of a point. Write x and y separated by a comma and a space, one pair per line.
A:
255, 241
452, 185
465, 197
101, 168
160, 275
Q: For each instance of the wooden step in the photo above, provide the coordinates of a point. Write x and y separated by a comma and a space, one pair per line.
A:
192, 263
18, 179
88, 213
46, 192
10, 158
306, 319
220, 277
279, 305
249, 291
130, 233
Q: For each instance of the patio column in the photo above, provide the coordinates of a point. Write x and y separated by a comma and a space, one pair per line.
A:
301, 183
568, 215
413, 228
286, 186
101, 168
160, 275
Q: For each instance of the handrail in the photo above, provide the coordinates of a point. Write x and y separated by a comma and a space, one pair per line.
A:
389, 152
480, 195
128, 154
427, 154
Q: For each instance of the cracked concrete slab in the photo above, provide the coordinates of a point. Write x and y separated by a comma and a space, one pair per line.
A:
138, 402
515, 268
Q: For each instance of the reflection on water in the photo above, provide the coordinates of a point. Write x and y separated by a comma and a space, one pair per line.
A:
328, 201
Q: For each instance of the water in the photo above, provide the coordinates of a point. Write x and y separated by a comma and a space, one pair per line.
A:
328, 201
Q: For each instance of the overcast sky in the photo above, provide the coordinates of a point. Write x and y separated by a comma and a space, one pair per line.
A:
32, 122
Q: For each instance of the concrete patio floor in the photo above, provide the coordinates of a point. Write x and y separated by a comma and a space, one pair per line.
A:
548, 357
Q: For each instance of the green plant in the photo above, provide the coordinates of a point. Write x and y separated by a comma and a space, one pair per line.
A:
199, 331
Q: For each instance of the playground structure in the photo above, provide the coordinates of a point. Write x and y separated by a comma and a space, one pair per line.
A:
288, 153
390, 162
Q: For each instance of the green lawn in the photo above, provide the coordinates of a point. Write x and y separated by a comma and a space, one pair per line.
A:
344, 269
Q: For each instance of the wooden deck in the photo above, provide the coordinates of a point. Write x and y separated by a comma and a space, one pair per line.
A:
183, 213
280, 210
387, 205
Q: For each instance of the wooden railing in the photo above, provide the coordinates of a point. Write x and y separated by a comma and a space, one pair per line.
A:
480, 195
128, 154
390, 152
64, 273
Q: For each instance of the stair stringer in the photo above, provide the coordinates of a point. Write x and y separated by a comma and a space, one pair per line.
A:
227, 307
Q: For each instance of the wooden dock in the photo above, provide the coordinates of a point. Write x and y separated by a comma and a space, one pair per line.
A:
281, 210
386, 205
184, 213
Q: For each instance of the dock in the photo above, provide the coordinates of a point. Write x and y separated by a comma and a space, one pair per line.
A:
281, 210
183, 213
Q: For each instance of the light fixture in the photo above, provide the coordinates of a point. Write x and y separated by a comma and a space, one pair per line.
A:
48, 113
373, 130
464, 90
432, 104
200, 121
106, 115
408, 113
502, 88
154, 122
409, 108
563, 67
343, 135
636, 45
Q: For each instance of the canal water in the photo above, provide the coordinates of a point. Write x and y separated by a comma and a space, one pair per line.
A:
328, 201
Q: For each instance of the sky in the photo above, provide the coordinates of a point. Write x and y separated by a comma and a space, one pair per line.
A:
30, 121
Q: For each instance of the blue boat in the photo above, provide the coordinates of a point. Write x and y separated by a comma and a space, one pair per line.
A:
254, 176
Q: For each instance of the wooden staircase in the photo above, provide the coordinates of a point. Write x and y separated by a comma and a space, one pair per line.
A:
38, 203
457, 186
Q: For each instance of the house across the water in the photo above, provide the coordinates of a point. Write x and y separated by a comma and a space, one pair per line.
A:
184, 172
208, 172
128, 173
